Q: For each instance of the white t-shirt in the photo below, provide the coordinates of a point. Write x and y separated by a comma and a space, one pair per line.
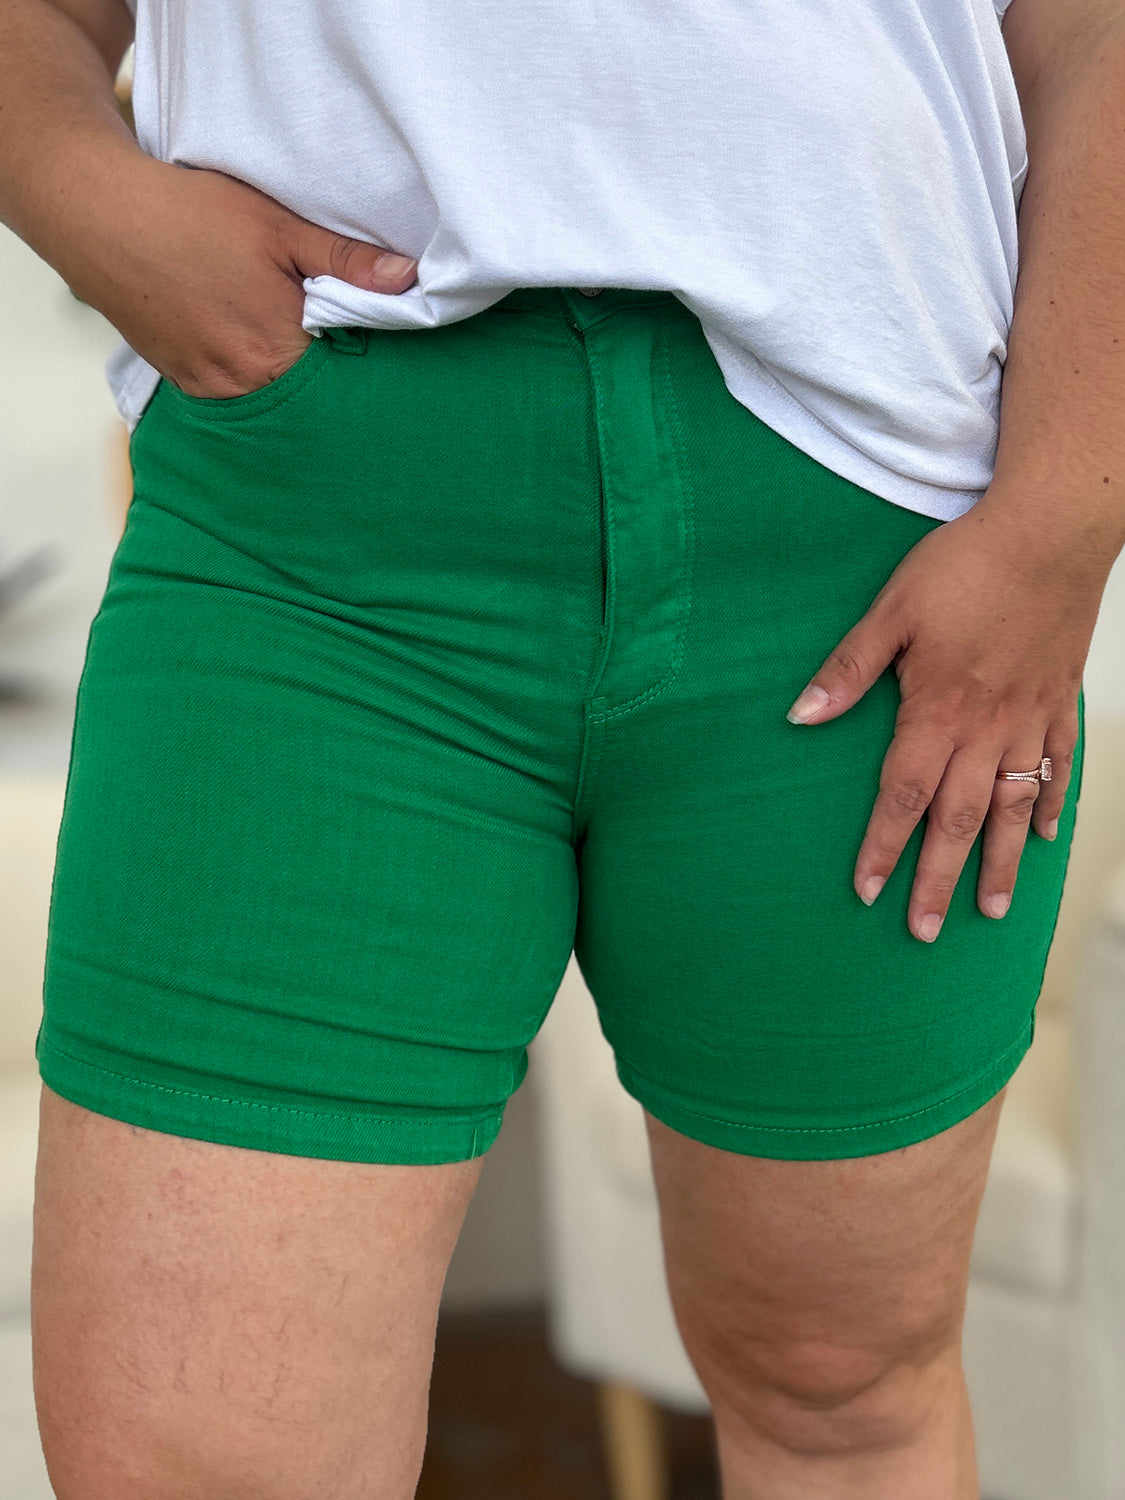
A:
831, 186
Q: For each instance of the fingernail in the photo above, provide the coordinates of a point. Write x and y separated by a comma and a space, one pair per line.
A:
929, 927
998, 904
871, 888
810, 701
1052, 828
394, 265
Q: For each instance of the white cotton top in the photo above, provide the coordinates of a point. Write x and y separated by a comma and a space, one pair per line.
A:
831, 186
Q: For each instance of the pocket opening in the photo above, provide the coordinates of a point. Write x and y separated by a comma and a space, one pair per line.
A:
252, 403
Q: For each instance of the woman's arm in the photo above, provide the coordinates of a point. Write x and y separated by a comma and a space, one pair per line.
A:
200, 272
63, 142
988, 620
1060, 466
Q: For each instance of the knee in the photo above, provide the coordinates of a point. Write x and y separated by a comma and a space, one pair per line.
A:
222, 1464
820, 1396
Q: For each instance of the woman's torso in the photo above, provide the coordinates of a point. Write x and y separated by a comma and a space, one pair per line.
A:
830, 185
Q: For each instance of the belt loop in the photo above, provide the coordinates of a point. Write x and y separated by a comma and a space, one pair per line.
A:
347, 340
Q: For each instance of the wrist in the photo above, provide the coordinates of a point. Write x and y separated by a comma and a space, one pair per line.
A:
1062, 533
82, 198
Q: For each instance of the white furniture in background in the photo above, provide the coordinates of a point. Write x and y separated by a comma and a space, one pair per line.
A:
30, 807
1045, 1321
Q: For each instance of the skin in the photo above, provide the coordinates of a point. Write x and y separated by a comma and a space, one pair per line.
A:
821, 1303
217, 314
213, 1323
988, 620
248, 1326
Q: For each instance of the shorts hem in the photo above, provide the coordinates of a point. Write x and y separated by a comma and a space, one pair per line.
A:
828, 1142
257, 1124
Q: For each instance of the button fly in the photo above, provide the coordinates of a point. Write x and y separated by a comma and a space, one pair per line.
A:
591, 291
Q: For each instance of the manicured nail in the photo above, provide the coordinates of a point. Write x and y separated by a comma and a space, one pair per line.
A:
929, 927
1052, 828
810, 701
871, 888
998, 904
394, 265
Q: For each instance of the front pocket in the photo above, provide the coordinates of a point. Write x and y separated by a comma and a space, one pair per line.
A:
254, 403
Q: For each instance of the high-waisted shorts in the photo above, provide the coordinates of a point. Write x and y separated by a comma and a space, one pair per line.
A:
453, 652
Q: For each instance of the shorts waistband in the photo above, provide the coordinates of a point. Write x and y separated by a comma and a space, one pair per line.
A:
566, 299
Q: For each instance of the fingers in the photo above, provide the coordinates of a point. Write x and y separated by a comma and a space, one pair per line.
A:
1006, 827
912, 771
847, 673
954, 818
316, 251
1059, 744
961, 797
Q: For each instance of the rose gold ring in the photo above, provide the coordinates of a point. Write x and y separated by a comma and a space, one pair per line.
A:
1042, 772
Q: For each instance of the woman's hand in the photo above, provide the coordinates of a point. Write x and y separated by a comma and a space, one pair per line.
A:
202, 273
988, 630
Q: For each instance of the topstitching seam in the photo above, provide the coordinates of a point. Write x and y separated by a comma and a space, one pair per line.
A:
262, 402
289, 1109
980, 1079
679, 448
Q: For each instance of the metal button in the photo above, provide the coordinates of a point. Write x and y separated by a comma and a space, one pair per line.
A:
591, 291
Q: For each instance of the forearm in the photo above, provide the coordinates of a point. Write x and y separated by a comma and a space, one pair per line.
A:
1060, 467
65, 151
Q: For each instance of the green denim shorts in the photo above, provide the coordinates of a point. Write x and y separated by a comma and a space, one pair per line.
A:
452, 652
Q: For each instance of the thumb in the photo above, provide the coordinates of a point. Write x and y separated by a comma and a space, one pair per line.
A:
317, 251
848, 671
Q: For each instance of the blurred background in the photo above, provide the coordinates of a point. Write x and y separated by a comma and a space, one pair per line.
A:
559, 1374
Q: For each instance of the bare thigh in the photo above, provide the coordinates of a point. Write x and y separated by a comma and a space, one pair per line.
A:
814, 1279
221, 1322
